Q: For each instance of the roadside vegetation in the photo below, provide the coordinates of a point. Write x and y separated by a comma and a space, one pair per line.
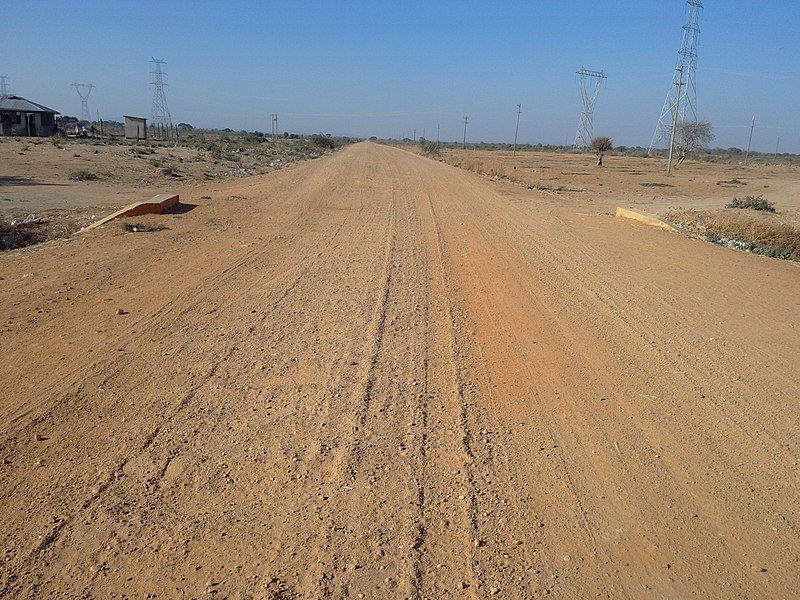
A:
749, 224
732, 155
752, 203
142, 227
199, 155
22, 232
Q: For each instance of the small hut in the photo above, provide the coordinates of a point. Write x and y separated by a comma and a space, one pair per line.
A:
135, 128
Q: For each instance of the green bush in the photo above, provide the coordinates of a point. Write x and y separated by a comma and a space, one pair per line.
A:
322, 141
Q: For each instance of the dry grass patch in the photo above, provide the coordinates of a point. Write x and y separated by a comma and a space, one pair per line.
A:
492, 169
22, 232
758, 232
142, 227
82, 175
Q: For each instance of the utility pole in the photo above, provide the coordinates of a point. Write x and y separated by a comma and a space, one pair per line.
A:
415, 136
687, 58
516, 131
675, 121
437, 134
778, 143
750, 141
466, 120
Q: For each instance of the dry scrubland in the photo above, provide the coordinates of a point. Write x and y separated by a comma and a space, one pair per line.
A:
693, 198
66, 183
375, 375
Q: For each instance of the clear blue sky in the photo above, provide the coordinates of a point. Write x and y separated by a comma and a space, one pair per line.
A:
386, 67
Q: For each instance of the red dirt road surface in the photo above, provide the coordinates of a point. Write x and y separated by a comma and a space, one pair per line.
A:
374, 375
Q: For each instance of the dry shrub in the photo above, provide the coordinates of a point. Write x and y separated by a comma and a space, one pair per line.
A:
494, 170
752, 203
427, 148
82, 175
55, 226
489, 169
759, 232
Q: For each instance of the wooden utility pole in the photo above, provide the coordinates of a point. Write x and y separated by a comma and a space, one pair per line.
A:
675, 121
466, 120
516, 131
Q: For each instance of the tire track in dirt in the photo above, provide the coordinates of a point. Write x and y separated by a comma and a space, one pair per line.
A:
728, 469
283, 292
498, 538
519, 241
376, 329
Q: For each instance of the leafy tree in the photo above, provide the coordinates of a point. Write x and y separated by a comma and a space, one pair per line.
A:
693, 136
600, 145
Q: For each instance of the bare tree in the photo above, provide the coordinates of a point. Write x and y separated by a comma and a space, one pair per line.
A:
693, 136
600, 145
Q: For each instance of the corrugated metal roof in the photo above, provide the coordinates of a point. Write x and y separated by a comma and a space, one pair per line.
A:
19, 104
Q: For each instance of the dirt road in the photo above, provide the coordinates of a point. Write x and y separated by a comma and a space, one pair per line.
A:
378, 376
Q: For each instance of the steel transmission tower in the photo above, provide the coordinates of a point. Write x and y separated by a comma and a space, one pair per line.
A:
590, 89
687, 60
84, 89
159, 115
4, 86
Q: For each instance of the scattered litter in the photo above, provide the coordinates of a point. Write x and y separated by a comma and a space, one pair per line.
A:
137, 227
27, 222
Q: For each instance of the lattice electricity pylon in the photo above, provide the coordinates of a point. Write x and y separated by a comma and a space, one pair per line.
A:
589, 93
687, 59
4, 86
84, 89
159, 115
